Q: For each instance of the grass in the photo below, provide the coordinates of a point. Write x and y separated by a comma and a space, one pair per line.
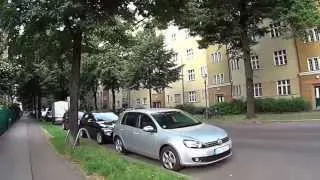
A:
268, 117
96, 160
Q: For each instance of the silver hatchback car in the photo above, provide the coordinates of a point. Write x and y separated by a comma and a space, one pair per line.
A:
171, 136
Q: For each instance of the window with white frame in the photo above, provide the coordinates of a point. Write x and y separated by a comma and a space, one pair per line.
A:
187, 33
257, 90
192, 96
204, 71
216, 57
220, 98
313, 35
236, 90
283, 87
313, 64
255, 64
191, 75
173, 36
138, 101
177, 98
219, 78
175, 57
234, 64
275, 30
280, 57
189, 53
144, 101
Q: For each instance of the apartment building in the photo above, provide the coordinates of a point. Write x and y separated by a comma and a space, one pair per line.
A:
308, 51
275, 64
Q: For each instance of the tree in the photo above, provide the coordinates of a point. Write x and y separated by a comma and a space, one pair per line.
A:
233, 22
151, 67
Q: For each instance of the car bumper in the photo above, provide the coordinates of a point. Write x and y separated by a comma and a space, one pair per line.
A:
206, 156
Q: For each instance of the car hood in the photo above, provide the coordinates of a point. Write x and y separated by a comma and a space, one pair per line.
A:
203, 133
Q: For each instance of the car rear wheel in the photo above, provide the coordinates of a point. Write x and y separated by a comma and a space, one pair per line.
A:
170, 159
100, 138
119, 145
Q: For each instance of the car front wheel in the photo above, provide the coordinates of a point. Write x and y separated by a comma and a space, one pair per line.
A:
100, 138
170, 159
119, 145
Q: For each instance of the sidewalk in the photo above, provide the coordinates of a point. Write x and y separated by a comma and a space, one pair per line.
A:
26, 155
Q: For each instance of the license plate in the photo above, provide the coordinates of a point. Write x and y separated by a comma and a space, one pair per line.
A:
221, 149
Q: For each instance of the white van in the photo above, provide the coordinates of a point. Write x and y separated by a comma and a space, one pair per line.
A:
58, 110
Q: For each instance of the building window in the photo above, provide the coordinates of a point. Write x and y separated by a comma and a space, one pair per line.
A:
220, 98
216, 57
187, 33
235, 64
236, 90
257, 89
204, 71
177, 98
284, 87
313, 64
218, 79
192, 96
275, 30
173, 36
138, 101
191, 75
313, 35
189, 53
144, 101
255, 62
175, 57
280, 57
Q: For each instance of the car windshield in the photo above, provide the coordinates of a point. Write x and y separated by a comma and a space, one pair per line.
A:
174, 119
106, 117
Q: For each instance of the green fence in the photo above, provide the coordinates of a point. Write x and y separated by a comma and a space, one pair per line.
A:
7, 118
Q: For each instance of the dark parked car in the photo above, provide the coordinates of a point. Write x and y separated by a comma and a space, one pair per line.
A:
65, 120
99, 125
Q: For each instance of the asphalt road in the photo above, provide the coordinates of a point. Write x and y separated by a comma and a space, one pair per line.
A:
283, 151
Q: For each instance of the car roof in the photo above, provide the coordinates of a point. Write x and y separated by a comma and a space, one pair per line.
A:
152, 110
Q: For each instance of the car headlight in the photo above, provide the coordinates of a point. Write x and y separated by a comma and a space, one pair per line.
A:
192, 144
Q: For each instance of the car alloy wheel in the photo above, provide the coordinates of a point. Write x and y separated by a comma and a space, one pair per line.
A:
119, 145
99, 138
170, 159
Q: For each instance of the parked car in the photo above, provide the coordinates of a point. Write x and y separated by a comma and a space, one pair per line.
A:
99, 125
58, 110
171, 136
65, 120
48, 116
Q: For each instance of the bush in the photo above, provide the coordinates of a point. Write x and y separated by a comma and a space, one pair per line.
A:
234, 107
268, 105
192, 109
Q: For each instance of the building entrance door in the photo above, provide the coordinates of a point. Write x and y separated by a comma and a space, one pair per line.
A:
317, 95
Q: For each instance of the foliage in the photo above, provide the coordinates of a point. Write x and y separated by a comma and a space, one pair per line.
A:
267, 105
192, 109
96, 160
151, 65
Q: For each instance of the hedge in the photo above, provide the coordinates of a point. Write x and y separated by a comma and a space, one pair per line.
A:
8, 115
267, 105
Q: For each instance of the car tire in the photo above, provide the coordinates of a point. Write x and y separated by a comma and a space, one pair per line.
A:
100, 138
170, 159
83, 134
119, 145
64, 126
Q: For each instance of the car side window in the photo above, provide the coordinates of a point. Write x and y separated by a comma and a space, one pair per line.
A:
123, 119
132, 119
146, 121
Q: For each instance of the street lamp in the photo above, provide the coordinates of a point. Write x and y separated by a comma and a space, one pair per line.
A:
205, 76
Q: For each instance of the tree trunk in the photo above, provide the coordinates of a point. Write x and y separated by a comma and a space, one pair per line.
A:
245, 46
95, 100
39, 105
113, 100
150, 96
75, 79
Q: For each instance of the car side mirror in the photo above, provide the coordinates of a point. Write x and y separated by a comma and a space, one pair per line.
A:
149, 129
